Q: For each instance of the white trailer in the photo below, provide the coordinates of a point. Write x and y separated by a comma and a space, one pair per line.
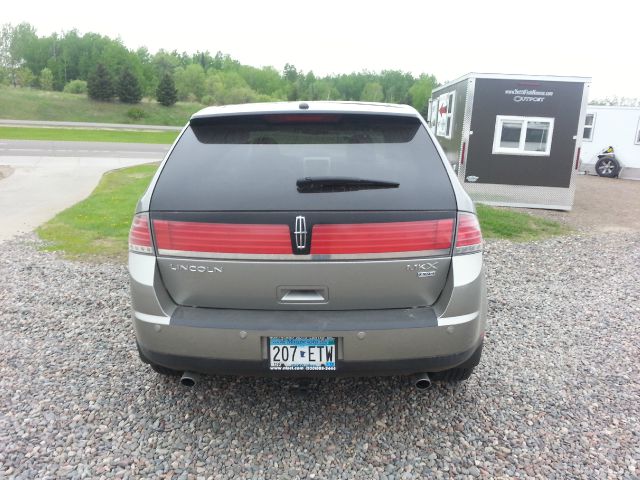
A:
618, 127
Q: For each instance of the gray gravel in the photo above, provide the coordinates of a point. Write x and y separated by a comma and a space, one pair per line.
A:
556, 396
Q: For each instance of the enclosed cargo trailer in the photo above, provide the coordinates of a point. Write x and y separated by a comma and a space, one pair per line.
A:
514, 140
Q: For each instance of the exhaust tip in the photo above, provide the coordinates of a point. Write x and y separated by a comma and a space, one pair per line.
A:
189, 379
422, 382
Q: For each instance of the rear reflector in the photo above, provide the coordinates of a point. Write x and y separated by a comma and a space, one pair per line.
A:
221, 237
469, 236
382, 237
139, 235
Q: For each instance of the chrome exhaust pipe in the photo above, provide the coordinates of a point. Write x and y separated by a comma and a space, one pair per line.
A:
189, 379
422, 382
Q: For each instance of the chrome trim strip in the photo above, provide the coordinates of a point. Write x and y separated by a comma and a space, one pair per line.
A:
306, 258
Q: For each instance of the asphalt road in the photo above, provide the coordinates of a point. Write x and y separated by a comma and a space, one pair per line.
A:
46, 148
47, 177
92, 125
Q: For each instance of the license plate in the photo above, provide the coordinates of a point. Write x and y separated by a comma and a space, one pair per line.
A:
302, 353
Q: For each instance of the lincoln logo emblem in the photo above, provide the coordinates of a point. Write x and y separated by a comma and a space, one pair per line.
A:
300, 233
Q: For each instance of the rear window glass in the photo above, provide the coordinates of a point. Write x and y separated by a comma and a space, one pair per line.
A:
250, 163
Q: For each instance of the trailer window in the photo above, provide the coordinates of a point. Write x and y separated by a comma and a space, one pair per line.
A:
589, 125
522, 135
638, 133
445, 107
433, 111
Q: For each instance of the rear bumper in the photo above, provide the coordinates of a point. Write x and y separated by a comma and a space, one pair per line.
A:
214, 366
370, 342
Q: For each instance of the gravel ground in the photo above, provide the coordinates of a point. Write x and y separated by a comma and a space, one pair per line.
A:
605, 205
556, 395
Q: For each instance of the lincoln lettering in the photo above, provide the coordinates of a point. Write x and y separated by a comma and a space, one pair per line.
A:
195, 268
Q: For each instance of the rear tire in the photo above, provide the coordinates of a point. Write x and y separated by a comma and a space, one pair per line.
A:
461, 372
607, 167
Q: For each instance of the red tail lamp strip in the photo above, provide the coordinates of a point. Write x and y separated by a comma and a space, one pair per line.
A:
468, 231
382, 237
139, 235
222, 237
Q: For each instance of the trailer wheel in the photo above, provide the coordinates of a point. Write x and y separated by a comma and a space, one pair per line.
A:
607, 167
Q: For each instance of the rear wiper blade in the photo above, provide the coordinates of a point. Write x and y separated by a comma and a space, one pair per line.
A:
340, 184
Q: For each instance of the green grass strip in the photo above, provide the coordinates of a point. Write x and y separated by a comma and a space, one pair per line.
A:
85, 135
99, 225
516, 226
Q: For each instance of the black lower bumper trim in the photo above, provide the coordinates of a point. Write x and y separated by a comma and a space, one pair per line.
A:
355, 369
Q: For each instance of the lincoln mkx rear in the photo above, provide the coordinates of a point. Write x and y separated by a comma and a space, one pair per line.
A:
313, 239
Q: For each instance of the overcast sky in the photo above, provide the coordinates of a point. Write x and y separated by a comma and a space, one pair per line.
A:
585, 38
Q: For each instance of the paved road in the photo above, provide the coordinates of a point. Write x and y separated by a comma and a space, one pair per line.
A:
48, 176
46, 148
116, 126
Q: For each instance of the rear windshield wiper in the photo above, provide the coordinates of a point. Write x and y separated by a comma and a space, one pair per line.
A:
340, 184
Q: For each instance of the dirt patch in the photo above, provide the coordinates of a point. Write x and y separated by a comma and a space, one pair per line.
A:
5, 171
601, 205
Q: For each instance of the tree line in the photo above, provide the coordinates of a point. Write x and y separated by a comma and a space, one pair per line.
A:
105, 69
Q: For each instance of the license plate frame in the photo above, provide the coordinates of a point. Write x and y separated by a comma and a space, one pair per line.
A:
302, 354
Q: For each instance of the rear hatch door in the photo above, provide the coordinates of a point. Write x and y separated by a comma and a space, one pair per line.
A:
305, 211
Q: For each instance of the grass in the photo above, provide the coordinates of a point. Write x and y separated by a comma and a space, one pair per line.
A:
29, 104
98, 226
516, 226
85, 135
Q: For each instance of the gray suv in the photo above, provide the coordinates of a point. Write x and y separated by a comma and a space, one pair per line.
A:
307, 239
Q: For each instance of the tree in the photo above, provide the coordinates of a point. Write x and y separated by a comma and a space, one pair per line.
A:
100, 84
46, 79
289, 73
25, 77
190, 81
372, 92
129, 90
76, 87
8, 60
396, 85
166, 93
420, 92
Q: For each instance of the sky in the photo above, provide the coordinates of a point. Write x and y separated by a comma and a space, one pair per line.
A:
448, 38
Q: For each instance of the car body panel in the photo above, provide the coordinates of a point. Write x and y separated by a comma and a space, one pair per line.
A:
280, 285
215, 315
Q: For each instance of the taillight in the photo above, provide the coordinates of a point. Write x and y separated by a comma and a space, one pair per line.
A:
175, 237
385, 237
468, 236
139, 235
